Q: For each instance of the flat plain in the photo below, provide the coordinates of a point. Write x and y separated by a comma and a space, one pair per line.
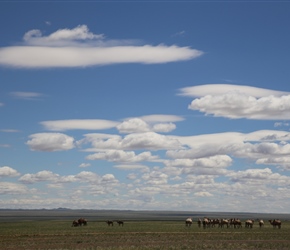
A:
141, 230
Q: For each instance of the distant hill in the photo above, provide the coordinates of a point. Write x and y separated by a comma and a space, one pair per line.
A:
102, 215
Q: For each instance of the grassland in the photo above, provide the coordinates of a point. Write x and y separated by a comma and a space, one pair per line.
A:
146, 233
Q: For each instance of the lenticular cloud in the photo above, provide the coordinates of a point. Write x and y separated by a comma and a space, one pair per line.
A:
80, 48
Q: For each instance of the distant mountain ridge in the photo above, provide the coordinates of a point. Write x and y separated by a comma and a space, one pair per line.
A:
133, 215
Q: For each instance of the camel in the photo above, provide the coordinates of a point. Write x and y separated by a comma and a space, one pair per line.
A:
75, 223
261, 223
120, 223
215, 222
236, 223
224, 222
249, 223
199, 222
206, 222
188, 222
110, 223
276, 223
82, 222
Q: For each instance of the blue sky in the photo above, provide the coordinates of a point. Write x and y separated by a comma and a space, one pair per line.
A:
144, 105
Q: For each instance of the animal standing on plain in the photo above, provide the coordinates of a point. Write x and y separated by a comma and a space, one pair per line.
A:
199, 221
75, 223
249, 223
237, 223
261, 223
110, 223
224, 222
120, 223
205, 222
82, 222
188, 222
276, 223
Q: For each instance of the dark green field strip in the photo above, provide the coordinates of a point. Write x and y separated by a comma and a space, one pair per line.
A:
135, 240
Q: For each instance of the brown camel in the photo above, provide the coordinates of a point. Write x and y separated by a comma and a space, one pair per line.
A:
82, 222
110, 223
199, 222
75, 223
120, 222
276, 223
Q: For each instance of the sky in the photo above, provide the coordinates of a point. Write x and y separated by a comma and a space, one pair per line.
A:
143, 105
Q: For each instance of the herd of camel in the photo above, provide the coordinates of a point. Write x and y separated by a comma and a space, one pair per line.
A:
205, 222
236, 223
84, 222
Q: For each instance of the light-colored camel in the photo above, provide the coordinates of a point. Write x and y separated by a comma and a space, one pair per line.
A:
224, 222
249, 223
188, 222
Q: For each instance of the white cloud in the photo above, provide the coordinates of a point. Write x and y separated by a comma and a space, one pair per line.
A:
268, 147
38, 177
50, 142
262, 185
155, 178
153, 123
86, 176
203, 194
161, 118
217, 161
8, 172
221, 89
85, 124
134, 125
12, 188
9, 130
131, 167
147, 140
47, 57
214, 165
80, 48
262, 176
108, 179
233, 101
237, 105
61, 36
122, 156
26, 95
131, 176
101, 141
84, 165
281, 162
164, 127
82, 177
